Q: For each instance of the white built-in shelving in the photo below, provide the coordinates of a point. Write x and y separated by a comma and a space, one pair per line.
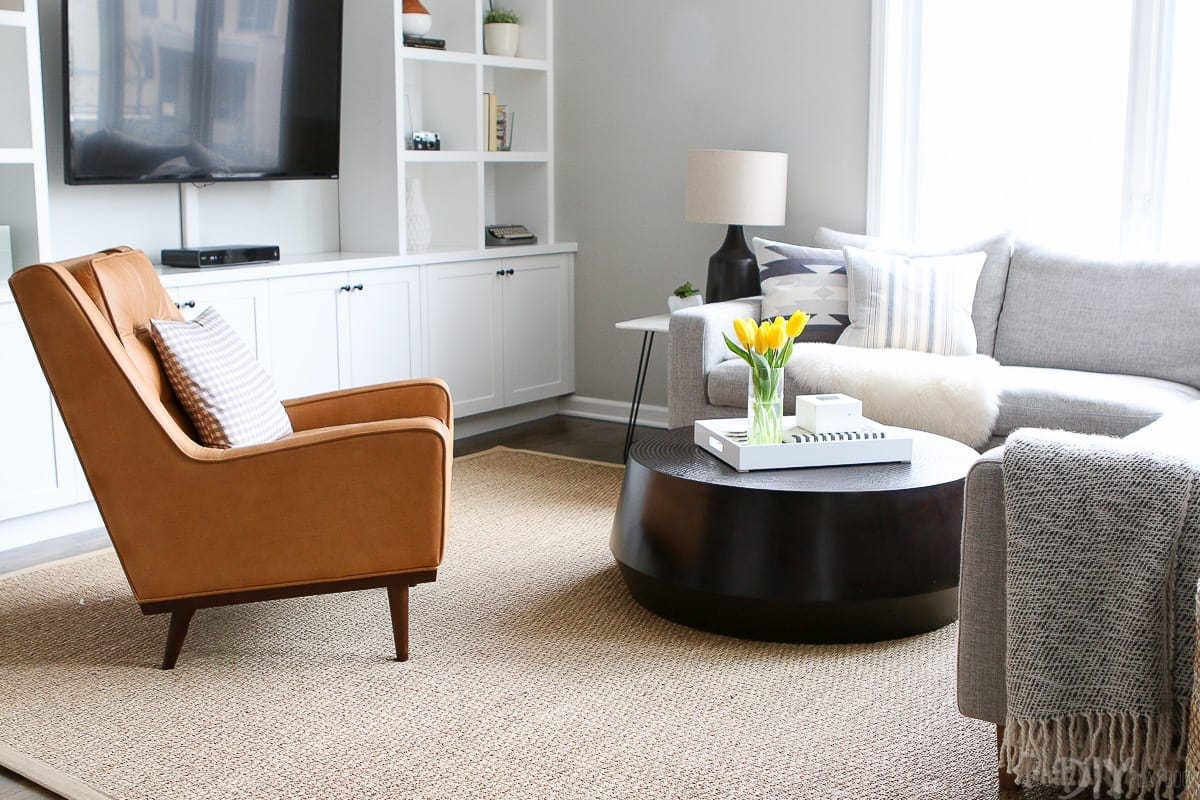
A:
464, 185
24, 184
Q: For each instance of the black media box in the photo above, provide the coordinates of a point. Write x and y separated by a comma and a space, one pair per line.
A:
225, 256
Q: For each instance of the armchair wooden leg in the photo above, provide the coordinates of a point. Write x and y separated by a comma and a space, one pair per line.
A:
398, 603
176, 633
1007, 782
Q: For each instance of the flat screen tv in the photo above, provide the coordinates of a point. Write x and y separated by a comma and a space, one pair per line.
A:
173, 91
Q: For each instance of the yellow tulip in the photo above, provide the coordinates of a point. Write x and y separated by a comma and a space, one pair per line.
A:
745, 334
775, 335
760, 340
796, 324
777, 321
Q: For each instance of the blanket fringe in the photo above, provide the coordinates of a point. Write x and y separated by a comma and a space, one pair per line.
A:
1129, 755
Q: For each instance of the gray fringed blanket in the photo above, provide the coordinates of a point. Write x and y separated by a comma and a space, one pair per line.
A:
1103, 556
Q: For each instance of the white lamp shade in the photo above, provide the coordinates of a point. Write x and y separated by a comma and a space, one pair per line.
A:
736, 187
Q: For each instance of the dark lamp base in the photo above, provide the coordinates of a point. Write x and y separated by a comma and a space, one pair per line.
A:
732, 270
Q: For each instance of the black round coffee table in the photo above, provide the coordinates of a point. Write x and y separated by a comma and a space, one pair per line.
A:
835, 554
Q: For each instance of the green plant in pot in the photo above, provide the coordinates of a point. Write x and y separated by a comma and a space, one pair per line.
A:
501, 32
684, 296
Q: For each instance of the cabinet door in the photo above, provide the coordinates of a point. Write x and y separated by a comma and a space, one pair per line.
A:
462, 327
385, 326
37, 468
245, 305
538, 334
307, 316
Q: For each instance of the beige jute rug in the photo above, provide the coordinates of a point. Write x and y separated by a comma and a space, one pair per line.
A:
533, 675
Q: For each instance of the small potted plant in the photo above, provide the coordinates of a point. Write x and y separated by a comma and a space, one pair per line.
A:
684, 296
501, 32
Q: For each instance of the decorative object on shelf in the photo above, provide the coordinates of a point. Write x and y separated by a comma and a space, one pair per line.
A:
426, 140
501, 32
735, 188
504, 124
684, 296
6, 257
767, 348
419, 226
417, 21
497, 125
424, 42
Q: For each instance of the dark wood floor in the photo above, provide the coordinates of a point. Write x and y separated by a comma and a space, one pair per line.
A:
565, 436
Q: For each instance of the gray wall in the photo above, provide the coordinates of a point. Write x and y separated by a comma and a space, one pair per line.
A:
640, 83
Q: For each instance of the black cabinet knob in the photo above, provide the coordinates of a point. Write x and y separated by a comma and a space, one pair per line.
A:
510, 272
345, 288
500, 273
358, 287
186, 304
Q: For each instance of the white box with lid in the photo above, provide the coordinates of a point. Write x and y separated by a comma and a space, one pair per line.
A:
828, 413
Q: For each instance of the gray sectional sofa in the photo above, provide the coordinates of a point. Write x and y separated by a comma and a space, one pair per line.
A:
1085, 345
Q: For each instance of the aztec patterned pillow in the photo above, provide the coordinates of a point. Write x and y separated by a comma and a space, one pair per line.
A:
229, 397
808, 279
921, 304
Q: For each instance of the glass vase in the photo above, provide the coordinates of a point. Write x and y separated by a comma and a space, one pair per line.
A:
764, 406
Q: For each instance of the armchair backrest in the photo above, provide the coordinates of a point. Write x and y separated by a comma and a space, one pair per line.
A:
87, 319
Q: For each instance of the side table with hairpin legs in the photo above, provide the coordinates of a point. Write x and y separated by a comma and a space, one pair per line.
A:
659, 323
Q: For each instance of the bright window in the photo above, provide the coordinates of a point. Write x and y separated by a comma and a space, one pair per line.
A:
1057, 119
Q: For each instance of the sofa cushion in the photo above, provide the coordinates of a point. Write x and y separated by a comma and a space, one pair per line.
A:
921, 304
1176, 432
1121, 317
989, 292
1084, 402
809, 279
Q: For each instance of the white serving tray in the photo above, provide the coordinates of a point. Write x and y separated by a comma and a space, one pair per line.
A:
725, 439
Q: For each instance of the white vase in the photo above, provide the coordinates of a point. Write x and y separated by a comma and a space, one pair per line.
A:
674, 303
417, 24
419, 227
501, 38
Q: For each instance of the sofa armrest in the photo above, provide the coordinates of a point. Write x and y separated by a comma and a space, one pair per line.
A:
426, 397
982, 603
695, 347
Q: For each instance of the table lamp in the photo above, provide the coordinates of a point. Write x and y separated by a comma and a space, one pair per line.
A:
735, 188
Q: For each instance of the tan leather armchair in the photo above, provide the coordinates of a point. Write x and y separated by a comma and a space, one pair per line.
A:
357, 498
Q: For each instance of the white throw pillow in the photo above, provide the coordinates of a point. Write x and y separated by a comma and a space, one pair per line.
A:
230, 398
809, 279
921, 304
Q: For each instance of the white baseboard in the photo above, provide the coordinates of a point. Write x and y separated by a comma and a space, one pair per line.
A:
611, 410
495, 420
34, 528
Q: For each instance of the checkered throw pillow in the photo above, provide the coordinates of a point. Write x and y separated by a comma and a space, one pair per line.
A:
229, 397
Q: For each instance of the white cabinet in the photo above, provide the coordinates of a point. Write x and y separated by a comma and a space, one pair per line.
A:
37, 470
245, 305
500, 332
465, 317
345, 329
538, 330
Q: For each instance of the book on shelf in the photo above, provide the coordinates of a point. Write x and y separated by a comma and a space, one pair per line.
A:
491, 111
424, 42
501, 127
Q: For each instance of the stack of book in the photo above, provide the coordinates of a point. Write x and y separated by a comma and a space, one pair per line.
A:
424, 42
497, 124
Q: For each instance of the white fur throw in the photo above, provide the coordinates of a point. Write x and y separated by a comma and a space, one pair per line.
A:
954, 396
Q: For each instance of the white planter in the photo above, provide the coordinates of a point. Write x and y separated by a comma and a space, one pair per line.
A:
417, 24
501, 38
675, 303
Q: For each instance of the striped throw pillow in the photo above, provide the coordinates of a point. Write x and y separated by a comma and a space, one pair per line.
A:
229, 397
921, 304
809, 279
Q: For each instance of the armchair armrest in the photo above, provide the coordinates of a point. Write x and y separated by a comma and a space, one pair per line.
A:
695, 347
425, 397
337, 503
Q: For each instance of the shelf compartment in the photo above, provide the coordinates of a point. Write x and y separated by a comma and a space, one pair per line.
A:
16, 125
451, 193
534, 28
525, 95
441, 97
454, 21
516, 194
18, 210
